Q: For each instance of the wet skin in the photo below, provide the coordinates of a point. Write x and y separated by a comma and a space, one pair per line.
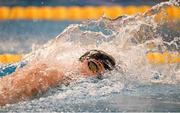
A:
27, 82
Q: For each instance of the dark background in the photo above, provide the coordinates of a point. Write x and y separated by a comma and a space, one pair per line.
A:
77, 2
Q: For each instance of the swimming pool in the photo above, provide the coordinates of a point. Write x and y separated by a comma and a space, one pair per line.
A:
136, 86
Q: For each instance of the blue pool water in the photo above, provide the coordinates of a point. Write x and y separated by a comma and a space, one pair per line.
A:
8, 69
19, 36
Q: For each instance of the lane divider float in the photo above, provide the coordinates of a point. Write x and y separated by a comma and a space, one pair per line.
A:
163, 58
10, 58
75, 12
152, 58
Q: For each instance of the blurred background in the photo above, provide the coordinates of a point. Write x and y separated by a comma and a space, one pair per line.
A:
27, 22
77, 2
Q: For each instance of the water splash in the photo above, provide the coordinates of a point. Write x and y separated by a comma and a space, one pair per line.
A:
127, 38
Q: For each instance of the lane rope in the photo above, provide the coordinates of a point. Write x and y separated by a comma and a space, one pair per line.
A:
75, 12
163, 58
10, 58
152, 58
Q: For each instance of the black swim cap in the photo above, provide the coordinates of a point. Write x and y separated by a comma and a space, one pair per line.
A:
107, 60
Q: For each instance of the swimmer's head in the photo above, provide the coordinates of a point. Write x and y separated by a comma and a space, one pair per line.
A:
98, 61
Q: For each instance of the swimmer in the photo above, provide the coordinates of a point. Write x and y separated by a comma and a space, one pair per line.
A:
31, 80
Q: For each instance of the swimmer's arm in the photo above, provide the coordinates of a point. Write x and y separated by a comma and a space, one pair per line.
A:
28, 82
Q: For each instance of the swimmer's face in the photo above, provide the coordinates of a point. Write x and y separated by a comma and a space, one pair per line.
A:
95, 62
92, 68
